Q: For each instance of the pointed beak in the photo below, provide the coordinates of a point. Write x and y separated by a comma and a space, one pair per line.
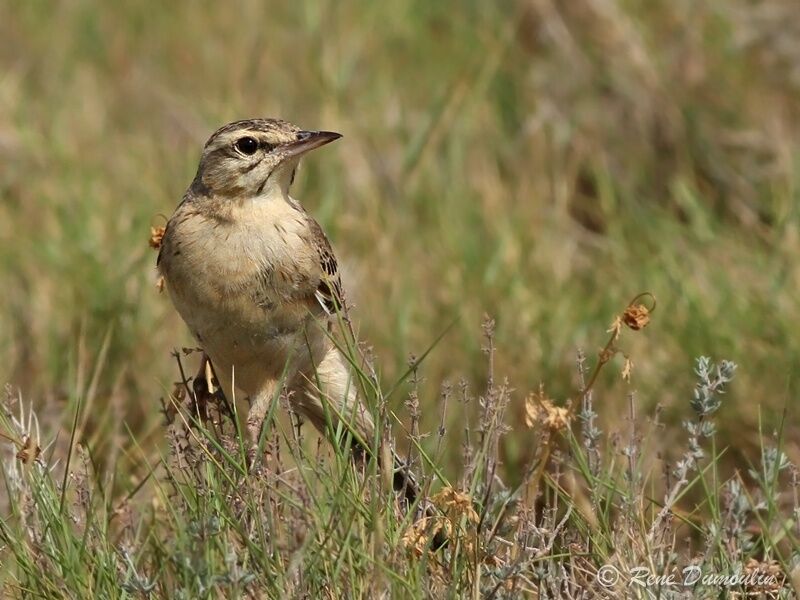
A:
309, 140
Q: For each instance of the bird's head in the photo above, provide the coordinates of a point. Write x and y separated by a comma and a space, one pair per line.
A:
254, 157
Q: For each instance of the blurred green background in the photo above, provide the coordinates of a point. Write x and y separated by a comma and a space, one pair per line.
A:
539, 161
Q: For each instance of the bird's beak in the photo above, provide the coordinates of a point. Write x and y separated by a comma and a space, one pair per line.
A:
308, 140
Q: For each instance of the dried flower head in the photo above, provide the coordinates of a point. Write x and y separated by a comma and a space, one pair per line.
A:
416, 537
29, 451
455, 504
627, 369
772, 576
156, 235
540, 409
615, 328
636, 316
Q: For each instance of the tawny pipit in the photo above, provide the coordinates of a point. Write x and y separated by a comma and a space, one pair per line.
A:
256, 280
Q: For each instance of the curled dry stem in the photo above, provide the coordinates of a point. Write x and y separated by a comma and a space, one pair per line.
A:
636, 316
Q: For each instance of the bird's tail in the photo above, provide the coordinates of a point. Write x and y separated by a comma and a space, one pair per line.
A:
333, 382
404, 482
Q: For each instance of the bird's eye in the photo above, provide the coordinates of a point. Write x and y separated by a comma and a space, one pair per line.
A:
247, 145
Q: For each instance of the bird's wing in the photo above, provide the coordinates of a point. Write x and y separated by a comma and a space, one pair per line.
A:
328, 293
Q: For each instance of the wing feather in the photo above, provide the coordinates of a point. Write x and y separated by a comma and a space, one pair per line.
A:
328, 293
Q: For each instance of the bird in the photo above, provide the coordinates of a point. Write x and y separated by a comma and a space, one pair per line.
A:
255, 279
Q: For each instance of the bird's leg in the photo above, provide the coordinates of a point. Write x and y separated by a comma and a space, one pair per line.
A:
203, 386
259, 405
207, 388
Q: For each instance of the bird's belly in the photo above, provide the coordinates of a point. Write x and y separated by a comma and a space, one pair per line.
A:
252, 361
253, 342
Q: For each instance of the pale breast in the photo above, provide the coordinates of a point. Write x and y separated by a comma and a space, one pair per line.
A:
237, 283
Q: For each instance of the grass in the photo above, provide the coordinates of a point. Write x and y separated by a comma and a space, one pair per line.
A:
587, 518
537, 162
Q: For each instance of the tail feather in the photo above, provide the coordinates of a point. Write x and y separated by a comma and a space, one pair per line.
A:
332, 381
405, 483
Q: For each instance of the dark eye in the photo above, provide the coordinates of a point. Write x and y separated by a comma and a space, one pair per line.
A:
247, 145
